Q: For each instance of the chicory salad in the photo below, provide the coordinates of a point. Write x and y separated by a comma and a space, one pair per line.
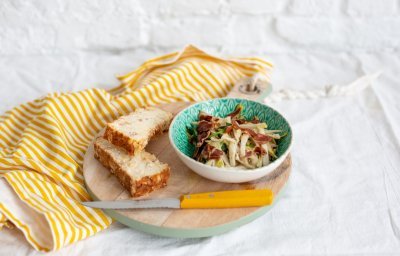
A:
233, 141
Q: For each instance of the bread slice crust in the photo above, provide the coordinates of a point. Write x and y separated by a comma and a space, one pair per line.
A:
136, 187
131, 145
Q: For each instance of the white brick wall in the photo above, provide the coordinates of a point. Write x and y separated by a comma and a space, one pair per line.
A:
372, 8
263, 26
60, 45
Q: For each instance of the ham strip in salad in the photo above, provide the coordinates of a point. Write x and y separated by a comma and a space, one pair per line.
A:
233, 141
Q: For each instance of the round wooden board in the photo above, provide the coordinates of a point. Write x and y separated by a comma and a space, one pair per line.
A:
102, 185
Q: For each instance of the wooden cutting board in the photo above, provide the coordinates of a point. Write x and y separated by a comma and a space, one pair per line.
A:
102, 185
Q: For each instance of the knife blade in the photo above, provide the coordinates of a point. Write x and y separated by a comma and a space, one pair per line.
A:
220, 199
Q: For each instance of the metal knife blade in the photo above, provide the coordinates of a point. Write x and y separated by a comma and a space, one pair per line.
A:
136, 204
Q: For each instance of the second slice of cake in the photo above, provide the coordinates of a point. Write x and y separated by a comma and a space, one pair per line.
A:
139, 174
132, 132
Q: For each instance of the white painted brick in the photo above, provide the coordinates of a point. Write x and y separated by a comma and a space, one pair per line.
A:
210, 31
256, 34
345, 34
170, 8
12, 12
86, 11
371, 34
18, 40
257, 6
371, 7
310, 32
251, 32
129, 8
9, 43
190, 7
244, 26
314, 7
113, 33
71, 36
45, 9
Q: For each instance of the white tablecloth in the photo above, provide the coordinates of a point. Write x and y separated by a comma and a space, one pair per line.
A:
344, 192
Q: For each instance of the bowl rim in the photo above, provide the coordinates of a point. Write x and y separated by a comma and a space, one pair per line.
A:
259, 169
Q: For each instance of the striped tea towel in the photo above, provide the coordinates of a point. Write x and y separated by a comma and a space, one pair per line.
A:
42, 143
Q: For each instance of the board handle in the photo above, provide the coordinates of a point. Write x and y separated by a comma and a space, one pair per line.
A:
251, 88
228, 199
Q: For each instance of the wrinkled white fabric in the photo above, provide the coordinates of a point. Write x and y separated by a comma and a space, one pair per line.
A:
344, 192
25, 214
327, 91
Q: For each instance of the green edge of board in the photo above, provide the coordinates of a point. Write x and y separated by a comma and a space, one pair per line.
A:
190, 233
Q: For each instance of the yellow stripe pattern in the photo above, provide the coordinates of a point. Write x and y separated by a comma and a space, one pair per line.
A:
42, 143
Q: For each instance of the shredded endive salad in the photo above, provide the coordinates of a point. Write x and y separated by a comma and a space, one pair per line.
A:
233, 141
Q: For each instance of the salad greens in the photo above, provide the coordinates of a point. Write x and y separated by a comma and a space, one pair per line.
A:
233, 141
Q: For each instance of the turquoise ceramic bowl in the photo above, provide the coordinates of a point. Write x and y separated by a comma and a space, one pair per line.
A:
222, 107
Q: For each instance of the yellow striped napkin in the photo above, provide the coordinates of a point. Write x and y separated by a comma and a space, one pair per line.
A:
42, 143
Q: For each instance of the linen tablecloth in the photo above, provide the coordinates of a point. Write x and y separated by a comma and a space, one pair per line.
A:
343, 196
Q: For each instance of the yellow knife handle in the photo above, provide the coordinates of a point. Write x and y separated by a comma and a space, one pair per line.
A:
228, 199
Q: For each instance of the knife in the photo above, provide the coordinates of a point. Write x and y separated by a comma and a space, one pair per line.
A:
221, 199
